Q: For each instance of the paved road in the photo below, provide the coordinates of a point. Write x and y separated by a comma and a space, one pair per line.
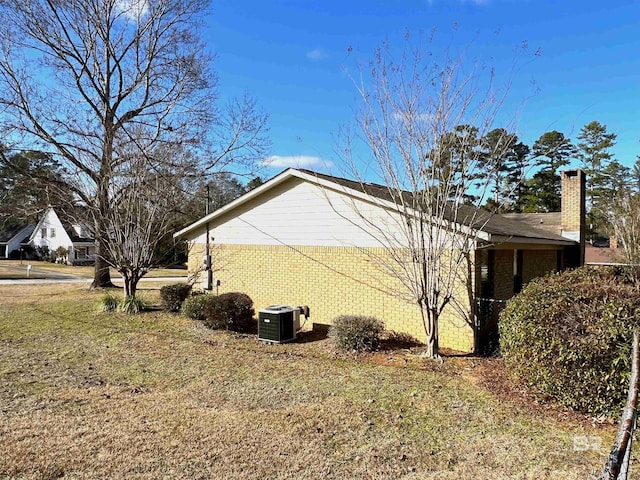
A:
55, 277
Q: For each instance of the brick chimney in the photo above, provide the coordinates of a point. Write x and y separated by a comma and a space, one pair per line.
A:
574, 212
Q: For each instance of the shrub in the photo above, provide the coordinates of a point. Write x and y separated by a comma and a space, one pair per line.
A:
214, 314
173, 295
356, 332
132, 305
568, 336
60, 255
195, 306
108, 303
43, 253
233, 311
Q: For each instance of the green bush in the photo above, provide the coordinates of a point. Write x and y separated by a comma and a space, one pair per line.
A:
174, 295
356, 332
60, 255
43, 253
233, 311
108, 303
132, 305
194, 307
568, 336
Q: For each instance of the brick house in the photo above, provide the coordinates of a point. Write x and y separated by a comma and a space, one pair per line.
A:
297, 240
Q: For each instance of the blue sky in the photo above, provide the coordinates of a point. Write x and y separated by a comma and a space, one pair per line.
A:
291, 56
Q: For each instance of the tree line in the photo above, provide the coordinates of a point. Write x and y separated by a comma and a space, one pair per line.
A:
525, 179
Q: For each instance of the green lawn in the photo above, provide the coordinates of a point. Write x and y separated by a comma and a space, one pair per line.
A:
95, 395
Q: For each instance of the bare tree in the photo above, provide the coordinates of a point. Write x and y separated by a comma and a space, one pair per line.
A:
144, 197
98, 83
419, 125
624, 221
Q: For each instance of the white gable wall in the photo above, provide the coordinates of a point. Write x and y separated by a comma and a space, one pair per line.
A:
300, 213
51, 223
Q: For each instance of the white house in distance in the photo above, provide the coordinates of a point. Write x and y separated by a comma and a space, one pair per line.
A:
13, 238
53, 233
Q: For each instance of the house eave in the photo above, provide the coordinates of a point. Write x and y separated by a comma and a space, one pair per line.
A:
320, 182
500, 239
237, 202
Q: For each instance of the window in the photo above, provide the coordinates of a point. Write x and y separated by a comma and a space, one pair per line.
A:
52, 233
43, 232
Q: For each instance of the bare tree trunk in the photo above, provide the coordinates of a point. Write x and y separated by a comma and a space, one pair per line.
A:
101, 274
430, 323
127, 285
130, 287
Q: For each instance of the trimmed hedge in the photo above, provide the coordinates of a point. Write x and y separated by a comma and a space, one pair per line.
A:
195, 306
568, 336
232, 311
174, 295
356, 332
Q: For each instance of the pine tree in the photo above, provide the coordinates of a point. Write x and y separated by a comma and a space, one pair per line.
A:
593, 151
506, 160
542, 192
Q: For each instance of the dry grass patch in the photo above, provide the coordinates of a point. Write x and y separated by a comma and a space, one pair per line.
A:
103, 395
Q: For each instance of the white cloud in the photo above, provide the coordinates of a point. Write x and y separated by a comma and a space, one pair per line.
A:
133, 9
317, 54
295, 161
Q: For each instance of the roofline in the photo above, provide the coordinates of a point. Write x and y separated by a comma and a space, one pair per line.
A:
318, 180
277, 180
531, 240
281, 177
609, 264
29, 225
310, 177
35, 229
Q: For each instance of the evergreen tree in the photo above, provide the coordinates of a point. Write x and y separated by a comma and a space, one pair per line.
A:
635, 176
255, 182
517, 166
593, 151
23, 193
454, 152
505, 160
542, 192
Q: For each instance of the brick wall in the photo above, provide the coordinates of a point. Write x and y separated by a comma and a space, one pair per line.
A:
503, 274
537, 263
332, 281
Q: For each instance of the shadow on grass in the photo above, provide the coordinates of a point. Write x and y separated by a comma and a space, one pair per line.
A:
315, 335
399, 341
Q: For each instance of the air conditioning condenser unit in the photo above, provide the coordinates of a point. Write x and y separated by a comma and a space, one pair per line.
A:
278, 323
